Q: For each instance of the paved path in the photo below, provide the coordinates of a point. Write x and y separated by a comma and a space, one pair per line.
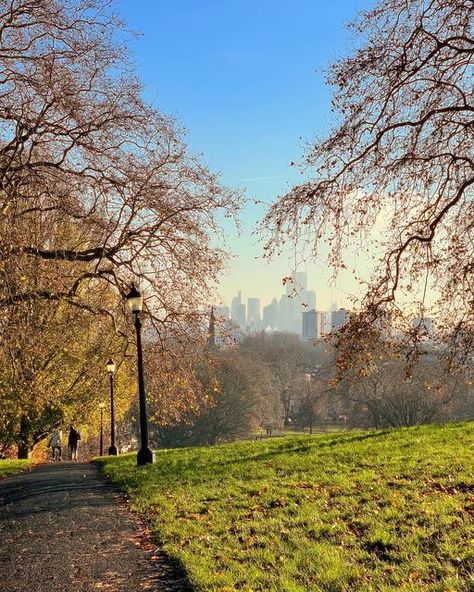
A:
64, 529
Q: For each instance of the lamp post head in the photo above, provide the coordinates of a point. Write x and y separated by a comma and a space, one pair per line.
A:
135, 300
110, 366
101, 406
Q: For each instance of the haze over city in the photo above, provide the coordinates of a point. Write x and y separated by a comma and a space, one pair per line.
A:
250, 108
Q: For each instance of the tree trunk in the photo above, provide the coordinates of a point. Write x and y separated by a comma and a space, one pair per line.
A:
24, 451
24, 438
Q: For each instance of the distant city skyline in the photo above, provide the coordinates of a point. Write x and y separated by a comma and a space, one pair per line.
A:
331, 298
295, 309
248, 107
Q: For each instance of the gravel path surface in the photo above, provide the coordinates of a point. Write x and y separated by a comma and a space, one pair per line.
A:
64, 528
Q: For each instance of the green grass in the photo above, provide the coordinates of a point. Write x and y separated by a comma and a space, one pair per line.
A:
373, 511
10, 466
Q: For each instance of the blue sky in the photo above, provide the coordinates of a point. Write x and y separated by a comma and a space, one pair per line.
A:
246, 79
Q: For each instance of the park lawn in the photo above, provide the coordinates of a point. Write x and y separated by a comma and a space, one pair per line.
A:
364, 511
10, 466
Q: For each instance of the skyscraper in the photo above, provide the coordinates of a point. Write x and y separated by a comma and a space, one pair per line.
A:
300, 281
222, 311
309, 299
253, 313
270, 315
282, 321
313, 325
309, 329
238, 310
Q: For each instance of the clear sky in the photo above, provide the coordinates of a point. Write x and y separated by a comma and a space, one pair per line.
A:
246, 78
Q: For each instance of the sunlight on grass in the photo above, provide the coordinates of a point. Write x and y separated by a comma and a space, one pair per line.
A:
10, 466
374, 511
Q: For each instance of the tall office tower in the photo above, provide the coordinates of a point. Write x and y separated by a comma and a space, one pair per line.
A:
253, 313
238, 310
300, 281
294, 315
339, 318
309, 298
270, 315
314, 325
289, 313
310, 325
281, 319
236, 301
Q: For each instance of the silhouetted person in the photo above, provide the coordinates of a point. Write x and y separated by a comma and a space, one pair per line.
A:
73, 441
56, 444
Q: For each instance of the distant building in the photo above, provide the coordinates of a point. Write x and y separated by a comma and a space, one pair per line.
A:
282, 322
293, 315
270, 315
339, 318
325, 323
308, 299
314, 325
300, 281
237, 310
253, 313
309, 330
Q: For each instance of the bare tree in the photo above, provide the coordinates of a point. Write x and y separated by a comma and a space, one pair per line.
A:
400, 156
313, 400
82, 156
235, 396
379, 388
286, 358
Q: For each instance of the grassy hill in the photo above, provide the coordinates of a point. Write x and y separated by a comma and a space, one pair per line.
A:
365, 511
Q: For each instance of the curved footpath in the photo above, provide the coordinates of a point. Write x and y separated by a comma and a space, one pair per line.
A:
63, 527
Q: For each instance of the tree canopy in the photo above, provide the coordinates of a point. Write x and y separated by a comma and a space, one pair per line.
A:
92, 177
400, 157
97, 190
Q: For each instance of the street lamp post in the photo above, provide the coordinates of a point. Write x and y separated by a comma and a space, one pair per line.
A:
101, 440
144, 455
111, 370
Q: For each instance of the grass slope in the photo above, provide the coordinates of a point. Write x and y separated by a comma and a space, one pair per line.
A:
10, 466
373, 511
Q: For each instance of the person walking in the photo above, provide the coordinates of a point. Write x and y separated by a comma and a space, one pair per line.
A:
73, 442
56, 445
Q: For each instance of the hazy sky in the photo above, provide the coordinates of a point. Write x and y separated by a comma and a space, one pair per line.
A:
246, 78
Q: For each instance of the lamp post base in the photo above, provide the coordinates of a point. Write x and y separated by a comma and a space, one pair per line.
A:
144, 457
113, 451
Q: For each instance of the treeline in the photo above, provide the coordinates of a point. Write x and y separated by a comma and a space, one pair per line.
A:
97, 190
273, 382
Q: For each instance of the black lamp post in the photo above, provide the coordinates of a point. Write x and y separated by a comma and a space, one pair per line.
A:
101, 440
111, 370
144, 455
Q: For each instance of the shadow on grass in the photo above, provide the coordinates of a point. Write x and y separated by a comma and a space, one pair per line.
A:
187, 469
306, 447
